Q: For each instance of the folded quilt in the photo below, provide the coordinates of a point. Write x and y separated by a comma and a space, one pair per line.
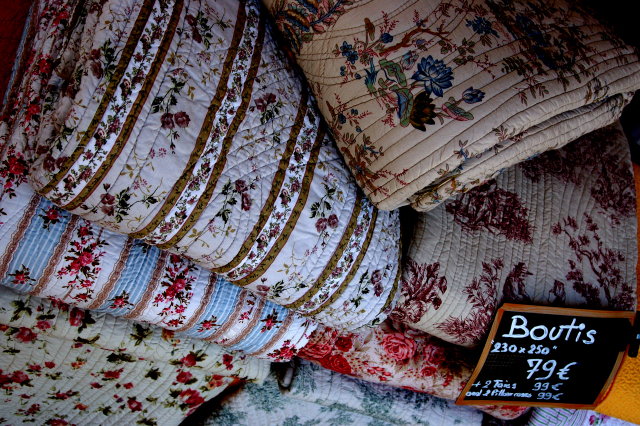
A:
396, 355
394, 405
264, 405
557, 230
180, 123
48, 252
308, 402
566, 417
429, 98
67, 366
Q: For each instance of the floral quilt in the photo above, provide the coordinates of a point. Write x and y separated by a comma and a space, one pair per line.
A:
65, 366
309, 402
48, 252
557, 230
396, 355
429, 98
321, 386
566, 417
181, 124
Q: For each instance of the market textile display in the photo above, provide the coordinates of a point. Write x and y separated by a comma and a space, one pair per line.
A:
396, 355
172, 207
182, 125
68, 366
557, 230
309, 401
48, 252
429, 98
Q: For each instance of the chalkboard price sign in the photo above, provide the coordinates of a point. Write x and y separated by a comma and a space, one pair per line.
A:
550, 357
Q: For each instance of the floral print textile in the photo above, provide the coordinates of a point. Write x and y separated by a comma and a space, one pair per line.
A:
182, 124
557, 230
67, 366
394, 354
48, 252
315, 384
566, 417
306, 403
430, 98
264, 405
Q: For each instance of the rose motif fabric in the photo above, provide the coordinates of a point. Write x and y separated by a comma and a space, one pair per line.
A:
47, 252
182, 124
396, 355
430, 98
558, 230
67, 366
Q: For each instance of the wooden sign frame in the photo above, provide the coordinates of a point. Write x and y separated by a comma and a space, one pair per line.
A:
511, 307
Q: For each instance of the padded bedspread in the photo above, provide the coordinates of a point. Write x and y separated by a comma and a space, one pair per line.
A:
48, 252
429, 98
558, 230
319, 397
67, 366
179, 123
396, 355
394, 405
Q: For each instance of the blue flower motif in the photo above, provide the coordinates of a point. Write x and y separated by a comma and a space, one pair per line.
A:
386, 38
342, 71
341, 118
358, 76
408, 59
345, 48
482, 26
358, 129
471, 95
354, 111
348, 52
435, 74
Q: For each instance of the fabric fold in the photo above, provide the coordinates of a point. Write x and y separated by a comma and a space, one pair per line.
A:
48, 252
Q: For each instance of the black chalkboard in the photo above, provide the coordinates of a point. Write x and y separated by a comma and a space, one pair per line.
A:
542, 356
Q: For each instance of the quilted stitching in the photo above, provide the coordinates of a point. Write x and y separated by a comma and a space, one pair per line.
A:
559, 229
424, 97
191, 132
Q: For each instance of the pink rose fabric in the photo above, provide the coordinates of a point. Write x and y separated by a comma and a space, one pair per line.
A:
25, 335
398, 346
76, 316
397, 355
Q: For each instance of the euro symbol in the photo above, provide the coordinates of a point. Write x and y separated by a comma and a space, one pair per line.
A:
556, 386
557, 396
565, 370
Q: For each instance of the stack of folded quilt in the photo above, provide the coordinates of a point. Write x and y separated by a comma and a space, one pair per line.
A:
175, 212
181, 125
